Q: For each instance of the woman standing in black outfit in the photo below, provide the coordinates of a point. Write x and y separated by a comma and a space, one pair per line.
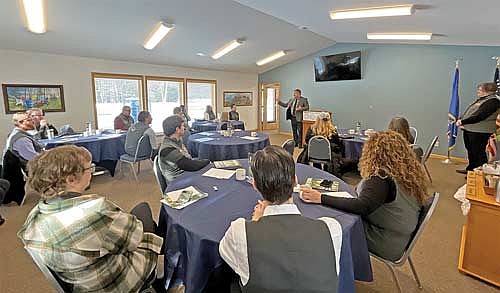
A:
390, 194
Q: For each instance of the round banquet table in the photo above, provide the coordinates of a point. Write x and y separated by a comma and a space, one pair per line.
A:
353, 144
215, 147
192, 234
105, 148
204, 125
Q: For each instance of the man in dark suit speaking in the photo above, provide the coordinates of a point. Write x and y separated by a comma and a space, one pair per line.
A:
295, 108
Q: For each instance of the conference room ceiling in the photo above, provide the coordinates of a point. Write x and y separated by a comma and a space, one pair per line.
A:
453, 22
117, 29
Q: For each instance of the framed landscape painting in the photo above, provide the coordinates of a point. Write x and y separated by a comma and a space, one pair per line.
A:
238, 98
22, 97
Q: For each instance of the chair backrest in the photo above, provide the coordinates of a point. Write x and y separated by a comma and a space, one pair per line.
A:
419, 152
319, 148
425, 214
144, 149
222, 126
224, 116
55, 281
428, 151
414, 133
159, 176
289, 146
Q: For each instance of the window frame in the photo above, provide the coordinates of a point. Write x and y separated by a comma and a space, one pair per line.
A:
139, 78
194, 80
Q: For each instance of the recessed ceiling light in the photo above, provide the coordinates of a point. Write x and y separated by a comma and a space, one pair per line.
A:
271, 58
399, 36
158, 33
396, 10
227, 48
35, 15
200, 54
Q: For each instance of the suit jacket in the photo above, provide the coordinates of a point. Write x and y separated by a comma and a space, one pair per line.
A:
302, 102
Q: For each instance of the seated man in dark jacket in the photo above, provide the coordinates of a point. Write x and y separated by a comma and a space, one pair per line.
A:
174, 157
279, 250
41, 124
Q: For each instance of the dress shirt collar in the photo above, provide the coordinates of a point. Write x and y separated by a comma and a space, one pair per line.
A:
282, 209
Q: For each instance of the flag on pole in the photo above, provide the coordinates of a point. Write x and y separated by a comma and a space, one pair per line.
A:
453, 112
491, 147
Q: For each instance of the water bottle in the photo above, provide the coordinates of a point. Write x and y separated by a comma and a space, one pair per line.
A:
230, 128
358, 127
50, 134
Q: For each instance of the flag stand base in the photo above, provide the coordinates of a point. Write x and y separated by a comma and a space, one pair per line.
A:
447, 161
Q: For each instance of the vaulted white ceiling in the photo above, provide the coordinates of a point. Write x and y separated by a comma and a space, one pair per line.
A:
454, 22
116, 29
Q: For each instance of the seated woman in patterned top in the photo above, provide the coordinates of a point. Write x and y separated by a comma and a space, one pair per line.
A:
87, 241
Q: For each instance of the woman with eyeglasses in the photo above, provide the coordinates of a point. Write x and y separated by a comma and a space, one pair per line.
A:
87, 241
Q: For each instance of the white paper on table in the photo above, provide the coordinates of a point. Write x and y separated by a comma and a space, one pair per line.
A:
204, 139
174, 195
237, 130
249, 137
338, 194
68, 139
206, 133
219, 173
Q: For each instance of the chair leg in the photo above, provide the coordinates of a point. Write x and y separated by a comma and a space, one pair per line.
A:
415, 275
133, 171
138, 167
394, 276
428, 174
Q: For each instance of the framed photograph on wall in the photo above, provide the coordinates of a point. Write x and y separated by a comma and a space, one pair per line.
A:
238, 98
22, 97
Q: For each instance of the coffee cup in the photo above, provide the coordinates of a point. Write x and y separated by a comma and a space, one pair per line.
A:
240, 174
351, 131
253, 133
118, 131
97, 132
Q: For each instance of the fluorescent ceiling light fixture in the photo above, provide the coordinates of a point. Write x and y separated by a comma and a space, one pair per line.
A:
158, 33
227, 48
271, 58
399, 36
35, 15
396, 10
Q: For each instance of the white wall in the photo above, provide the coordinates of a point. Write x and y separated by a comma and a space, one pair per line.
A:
74, 73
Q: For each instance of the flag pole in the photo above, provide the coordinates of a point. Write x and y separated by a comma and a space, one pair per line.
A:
448, 161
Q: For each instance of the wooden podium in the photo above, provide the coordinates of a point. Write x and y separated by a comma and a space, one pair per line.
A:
308, 119
480, 245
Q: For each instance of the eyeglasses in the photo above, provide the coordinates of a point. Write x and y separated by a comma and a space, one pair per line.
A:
91, 168
26, 119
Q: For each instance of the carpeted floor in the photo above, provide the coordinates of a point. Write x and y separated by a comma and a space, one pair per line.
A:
435, 255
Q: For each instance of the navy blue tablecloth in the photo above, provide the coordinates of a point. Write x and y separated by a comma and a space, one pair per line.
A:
225, 148
106, 149
353, 144
203, 125
192, 235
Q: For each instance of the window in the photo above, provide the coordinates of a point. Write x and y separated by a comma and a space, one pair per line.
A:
111, 93
163, 95
200, 93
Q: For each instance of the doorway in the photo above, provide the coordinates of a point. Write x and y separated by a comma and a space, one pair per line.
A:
268, 106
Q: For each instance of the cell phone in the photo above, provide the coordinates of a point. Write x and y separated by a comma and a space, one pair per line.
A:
326, 183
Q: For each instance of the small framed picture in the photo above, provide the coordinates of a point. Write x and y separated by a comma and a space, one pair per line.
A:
22, 97
238, 98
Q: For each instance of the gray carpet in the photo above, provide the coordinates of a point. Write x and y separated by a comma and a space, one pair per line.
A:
435, 255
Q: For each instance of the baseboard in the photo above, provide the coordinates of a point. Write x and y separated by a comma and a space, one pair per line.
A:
454, 159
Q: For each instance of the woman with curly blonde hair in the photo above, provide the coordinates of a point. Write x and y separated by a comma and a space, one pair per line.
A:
390, 194
323, 126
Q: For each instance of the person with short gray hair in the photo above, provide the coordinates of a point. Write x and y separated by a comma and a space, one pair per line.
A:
20, 142
174, 156
124, 120
41, 124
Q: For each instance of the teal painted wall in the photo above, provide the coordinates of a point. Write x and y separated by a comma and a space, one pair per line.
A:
413, 81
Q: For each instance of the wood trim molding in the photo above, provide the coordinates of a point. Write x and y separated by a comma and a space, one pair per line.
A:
454, 159
164, 78
116, 75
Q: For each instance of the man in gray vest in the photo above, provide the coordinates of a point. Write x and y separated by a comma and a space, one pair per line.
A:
279, 250
174, 157
294, 112
20, 142
139, 129
477, 123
